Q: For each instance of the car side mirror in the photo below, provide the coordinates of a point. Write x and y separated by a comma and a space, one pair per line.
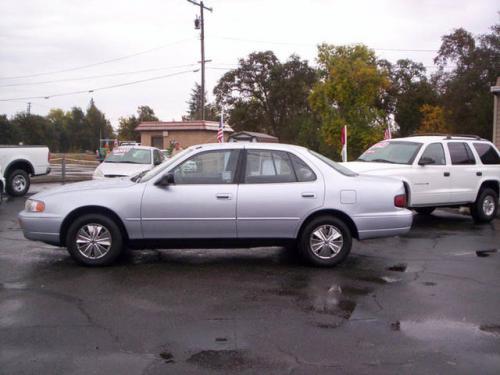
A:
157, 162
426, 161
165, 180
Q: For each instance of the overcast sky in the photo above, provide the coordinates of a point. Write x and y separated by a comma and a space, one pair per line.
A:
47, 36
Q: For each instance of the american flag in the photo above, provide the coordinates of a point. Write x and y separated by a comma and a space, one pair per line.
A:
220, 131
387, 133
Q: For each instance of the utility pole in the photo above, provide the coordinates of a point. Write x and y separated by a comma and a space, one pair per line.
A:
28, 110
200, 24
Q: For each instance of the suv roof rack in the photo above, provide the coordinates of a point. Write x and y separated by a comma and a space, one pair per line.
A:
448, 136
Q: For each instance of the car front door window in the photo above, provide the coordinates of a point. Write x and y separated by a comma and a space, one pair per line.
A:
434, 152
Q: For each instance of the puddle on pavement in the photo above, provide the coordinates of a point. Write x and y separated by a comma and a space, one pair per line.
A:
486, 253
493, 328
13, 285
429, 283
220, 360
167, 357
400, 267
446, 330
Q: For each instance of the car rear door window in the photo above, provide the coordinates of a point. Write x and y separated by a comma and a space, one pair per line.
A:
302, 170
210, 167
435, 152
460, 153
487, 153
265, 166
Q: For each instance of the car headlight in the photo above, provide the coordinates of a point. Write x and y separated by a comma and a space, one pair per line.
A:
98, 173
32, 205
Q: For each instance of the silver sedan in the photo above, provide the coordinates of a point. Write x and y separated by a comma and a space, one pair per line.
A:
232, 194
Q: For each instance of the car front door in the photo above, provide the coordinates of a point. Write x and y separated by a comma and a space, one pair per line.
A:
201, 201
431, 180
463, 174
277, 190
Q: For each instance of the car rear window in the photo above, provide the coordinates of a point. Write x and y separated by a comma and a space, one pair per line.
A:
487, 153
460, 153
339, 168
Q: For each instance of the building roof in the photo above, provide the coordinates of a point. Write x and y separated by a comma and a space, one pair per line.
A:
182, 125
259, 136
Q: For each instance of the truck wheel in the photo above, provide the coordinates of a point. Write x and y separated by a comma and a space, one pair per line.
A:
18, 183
485, 208
325, 241
94, 240
425, 210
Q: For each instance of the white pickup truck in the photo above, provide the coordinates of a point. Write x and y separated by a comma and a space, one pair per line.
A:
18, 163
439, 171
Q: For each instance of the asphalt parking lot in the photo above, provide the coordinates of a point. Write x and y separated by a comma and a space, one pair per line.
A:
427, 302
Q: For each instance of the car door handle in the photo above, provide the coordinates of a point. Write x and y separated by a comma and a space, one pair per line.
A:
446, 174
479, 173
308, 195
223, 196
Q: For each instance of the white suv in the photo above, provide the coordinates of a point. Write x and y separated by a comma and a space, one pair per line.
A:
439, 171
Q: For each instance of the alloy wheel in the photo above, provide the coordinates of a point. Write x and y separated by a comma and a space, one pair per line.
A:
326, 241
93, 241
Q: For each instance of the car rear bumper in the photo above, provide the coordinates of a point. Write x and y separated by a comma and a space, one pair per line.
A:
40, 227
383, 224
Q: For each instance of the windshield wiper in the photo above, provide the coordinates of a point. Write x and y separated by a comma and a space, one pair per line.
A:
383, 161
138, 177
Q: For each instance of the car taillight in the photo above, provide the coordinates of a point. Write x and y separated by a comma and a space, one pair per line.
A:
400, 200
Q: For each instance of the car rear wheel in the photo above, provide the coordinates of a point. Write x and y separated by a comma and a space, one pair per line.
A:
18, 183
325, 241
485, 208
425, 210
94, 240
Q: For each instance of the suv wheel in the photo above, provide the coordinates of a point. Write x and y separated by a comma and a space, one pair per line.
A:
485, 208
325, 241
18, 183
425, 210
94, 240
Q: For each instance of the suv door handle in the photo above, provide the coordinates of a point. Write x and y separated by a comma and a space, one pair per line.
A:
479, 173
223, 196
446, 174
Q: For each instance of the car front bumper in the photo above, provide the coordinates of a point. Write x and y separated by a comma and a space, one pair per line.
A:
383, 224
41, 227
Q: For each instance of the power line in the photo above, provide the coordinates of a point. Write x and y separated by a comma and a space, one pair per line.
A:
315, 44
96, 76
98, 63
100, 88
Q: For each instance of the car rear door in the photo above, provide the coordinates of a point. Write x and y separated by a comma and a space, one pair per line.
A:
277, 190
200, 204
464, 176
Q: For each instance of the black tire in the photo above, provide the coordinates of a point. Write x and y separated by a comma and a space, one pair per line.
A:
329, 258
18, 183
425, 210
486, 206
95, 257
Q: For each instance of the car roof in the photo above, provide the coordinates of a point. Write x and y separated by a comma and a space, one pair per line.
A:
249, 145
438, 138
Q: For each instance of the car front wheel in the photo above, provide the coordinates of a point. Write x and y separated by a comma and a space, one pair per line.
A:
325, 241
94, 240
485, 208
18, 183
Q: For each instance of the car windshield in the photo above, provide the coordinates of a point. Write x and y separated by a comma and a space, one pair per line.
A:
129, 155
147, 175
339, 168
394, 152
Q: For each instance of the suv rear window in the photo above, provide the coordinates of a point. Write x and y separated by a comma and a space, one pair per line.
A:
460, 153
487, 153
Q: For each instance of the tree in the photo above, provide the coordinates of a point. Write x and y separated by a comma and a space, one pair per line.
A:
8, 131
194, 106
268, 96
409, 90
126, 130
433, 120
468, 67
350, 92
97, 127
